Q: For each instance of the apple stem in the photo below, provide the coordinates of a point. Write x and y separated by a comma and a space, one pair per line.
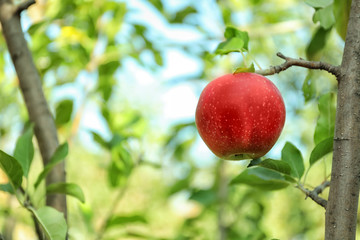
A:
244, 60
289, 62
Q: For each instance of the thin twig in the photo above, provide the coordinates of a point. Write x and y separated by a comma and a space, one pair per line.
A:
289, 62
222, 196
314, 194
24, 5
27, 204
111, 211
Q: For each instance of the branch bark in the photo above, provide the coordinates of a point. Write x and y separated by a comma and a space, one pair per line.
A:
30, 84
314, 194
289, 62
341, 213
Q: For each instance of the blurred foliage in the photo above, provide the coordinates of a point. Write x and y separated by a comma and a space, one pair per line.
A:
142, 178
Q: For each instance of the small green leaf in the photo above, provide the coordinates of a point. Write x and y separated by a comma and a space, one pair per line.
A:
231, 45
245, 69
325, 125
51, 221
180, 185
262, 178
7, 188
120, 167
317, 43
254, 162
121, 220
24, 150
342, 13
276, 165
70, 189
232, 32
37, 26
12, 169
158, 58
87, 214
321, 149
319, 3
325, 16
115, 175
293, 157
205, 197
236, 41
309, 86
59, 155
63, 112
100, 140
181, 15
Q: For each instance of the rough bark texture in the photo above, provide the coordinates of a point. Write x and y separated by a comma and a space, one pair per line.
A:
30, 84
341, 211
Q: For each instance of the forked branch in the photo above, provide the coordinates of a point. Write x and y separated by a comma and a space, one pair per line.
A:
289, 62
314, 194
24, 5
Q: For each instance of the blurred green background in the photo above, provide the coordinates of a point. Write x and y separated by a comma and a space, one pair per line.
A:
123, 78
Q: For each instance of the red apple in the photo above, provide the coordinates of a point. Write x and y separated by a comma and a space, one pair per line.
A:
240, 116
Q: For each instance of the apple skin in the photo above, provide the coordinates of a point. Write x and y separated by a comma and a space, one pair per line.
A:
240, 116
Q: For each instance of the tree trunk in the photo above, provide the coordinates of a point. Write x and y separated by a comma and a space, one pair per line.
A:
341, 211
31, 87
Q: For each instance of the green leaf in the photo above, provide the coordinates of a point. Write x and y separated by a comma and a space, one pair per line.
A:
293, 157
63, 112
309, 87
12, 169
37, 26
262, 178
100, 140
181, 15
326, 122
179, 185
276, 165
342, 12
115, 175
59, 155
7, 188
319, 3
158, 58
231, 45
232, 32
254, 162
245, 69
70, 189
317, 43
325, 16
236, 41
51, 221
205, 197
121, 220
157, 4
120, 167
24, 150
106, 80
87, 214
321, 149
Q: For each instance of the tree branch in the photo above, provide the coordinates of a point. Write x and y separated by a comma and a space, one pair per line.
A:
342, 209
24, 5
289, 62
31, 88
314, 194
